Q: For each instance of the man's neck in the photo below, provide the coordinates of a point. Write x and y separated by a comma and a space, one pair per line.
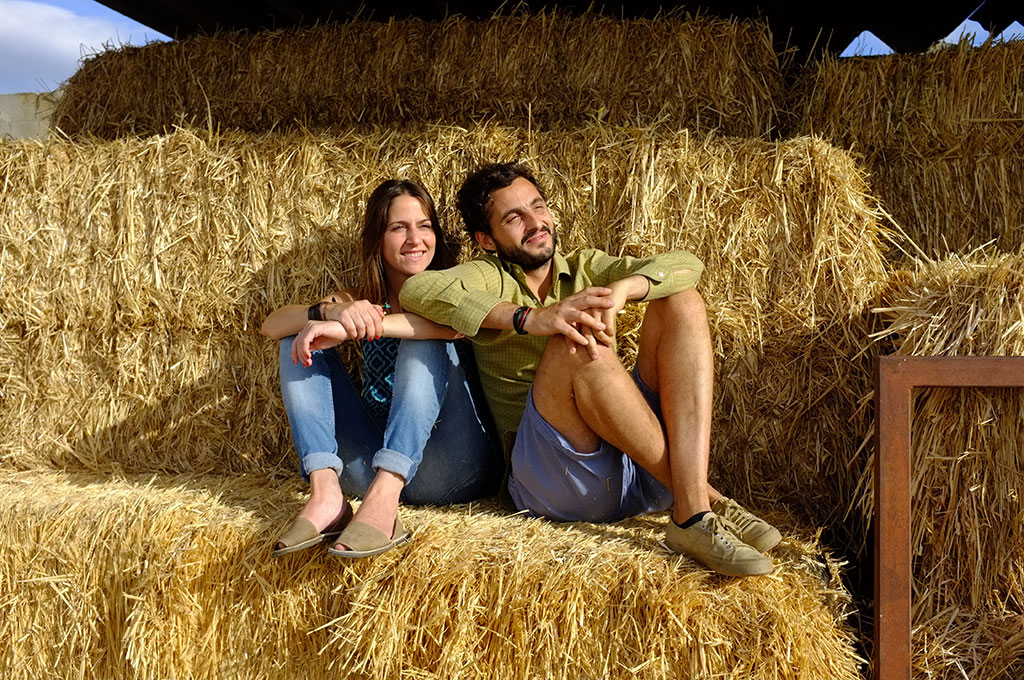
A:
539, 279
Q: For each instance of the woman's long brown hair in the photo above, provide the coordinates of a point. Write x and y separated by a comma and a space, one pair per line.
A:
373, 284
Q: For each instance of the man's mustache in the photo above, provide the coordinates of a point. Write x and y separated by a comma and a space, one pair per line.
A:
533, 233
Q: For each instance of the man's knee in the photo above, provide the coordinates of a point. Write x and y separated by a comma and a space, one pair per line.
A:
562, 372
562, 355
685, 306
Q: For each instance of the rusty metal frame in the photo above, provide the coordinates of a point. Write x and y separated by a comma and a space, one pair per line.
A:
895, 379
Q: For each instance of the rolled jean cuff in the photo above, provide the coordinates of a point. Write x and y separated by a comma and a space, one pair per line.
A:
312, 462
393, 461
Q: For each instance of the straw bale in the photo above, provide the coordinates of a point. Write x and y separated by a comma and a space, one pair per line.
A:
941, 135
183, 223
968, 500
793, 247
195, 239
788, 426
961, 101
778, 226
159, 576
958, 643
143, 399
167, 231
952, 203
546, 70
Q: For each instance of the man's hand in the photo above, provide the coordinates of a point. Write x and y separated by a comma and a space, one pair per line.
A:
316, 335
361, 319
630, 288
567, 317
621, 291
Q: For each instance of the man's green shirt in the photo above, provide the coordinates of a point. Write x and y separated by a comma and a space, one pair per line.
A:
461, 297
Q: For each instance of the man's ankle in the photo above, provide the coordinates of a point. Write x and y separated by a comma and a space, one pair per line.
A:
693, 520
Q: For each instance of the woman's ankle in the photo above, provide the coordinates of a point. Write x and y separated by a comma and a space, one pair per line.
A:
324, 485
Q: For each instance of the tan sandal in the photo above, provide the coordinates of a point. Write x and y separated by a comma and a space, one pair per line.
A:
301, 534
365, 541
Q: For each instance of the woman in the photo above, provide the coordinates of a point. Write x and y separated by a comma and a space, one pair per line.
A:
380, 442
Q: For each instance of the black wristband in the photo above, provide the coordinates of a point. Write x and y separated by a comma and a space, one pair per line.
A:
313, 313
519, 319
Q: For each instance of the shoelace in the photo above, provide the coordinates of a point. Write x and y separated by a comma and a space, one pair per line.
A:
744, 519
723, 529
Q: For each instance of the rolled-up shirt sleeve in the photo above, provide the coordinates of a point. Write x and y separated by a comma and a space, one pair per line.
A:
669, 273
460, 297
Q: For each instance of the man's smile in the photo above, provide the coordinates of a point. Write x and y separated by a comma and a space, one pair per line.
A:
536, 236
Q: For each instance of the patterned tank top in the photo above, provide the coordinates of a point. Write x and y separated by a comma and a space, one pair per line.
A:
379, 359
379, 375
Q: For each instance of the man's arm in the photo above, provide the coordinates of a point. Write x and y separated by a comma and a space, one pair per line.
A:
633, 279
565, 317
460, 297
467, 298
666, 274
630, 289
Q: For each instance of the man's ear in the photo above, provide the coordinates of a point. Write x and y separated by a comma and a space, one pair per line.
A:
485, 241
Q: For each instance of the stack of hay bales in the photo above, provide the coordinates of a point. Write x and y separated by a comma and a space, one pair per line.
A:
135, 274
968, 467
146, 464
168, 576
547, 70
184, 244
942, 135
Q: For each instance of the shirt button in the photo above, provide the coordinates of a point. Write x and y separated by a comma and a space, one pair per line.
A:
661, 275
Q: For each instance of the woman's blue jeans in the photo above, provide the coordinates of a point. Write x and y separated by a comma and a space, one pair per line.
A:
436, 436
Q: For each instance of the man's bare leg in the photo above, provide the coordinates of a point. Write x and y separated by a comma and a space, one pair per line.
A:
588, 400
676, 360
591, 399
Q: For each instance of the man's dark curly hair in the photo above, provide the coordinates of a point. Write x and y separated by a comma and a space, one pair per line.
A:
475, 194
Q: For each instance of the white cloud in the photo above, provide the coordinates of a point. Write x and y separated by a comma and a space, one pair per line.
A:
41, 44
1012, 32
968, 30
867, 44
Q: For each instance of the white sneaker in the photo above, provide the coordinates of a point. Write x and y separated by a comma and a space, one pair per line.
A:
750, 528
712, 543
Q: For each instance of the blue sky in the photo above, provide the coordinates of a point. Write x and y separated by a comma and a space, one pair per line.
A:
41, 43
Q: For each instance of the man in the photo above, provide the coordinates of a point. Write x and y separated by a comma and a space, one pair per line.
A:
592, 442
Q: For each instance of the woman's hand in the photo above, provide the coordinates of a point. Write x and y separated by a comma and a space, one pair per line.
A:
361, 319
315, 336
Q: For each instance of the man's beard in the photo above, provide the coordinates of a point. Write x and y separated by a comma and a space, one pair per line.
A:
528, 261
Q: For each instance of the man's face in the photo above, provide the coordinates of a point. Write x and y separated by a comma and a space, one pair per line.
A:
522, 229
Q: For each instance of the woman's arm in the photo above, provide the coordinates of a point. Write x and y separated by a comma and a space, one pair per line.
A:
291, 319
412, 326
317, 335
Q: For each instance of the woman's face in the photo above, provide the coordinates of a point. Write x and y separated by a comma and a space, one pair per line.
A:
409, 239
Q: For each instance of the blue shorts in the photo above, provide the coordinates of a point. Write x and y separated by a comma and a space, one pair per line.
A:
551, 479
